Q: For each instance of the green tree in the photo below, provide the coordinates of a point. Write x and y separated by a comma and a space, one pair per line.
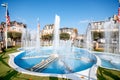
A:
47, 37
64, 36
97, 35
14, 35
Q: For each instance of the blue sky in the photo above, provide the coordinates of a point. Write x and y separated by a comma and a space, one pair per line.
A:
73, 13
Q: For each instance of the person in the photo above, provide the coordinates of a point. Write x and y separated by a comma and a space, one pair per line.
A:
2, 46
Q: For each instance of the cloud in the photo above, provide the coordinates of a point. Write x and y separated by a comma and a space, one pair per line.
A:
21, 19
84, 21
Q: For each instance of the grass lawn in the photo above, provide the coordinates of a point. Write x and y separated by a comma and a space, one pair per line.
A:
7, 73
107, 74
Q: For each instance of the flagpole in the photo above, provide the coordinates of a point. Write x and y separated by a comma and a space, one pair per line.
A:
6, 6
119, 25
6, 24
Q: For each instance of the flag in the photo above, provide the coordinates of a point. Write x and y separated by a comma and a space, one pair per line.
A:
119, 14
8, 18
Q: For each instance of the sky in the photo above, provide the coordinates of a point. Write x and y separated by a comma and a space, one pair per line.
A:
73, 13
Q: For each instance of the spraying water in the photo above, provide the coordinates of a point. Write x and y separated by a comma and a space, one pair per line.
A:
31, 39
111, 39
38, 38
56, 34
25, 44
107, 36
89, 38
66, 53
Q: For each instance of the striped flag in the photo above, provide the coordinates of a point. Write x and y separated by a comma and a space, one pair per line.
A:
8, 18
119, 14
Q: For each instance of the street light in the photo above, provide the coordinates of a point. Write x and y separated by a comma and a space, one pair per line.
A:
6, 6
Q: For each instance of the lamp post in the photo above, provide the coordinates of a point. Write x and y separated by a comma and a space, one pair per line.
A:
6, 6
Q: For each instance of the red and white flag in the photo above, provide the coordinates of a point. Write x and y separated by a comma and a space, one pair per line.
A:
8, 18
119, 14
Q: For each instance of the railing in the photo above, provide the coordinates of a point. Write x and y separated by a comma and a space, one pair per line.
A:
40, 66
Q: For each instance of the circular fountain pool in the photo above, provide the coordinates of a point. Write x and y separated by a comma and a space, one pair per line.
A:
60, 62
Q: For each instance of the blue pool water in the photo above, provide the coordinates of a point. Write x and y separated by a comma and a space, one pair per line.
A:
72, 60
109, 60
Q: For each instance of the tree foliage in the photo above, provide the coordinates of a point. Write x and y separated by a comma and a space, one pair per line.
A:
14, 35
64, 36
47, 37
97, 35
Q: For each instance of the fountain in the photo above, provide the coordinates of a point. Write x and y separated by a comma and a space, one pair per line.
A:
110, 57
61, 58
25, 39
56, 34
38, 38
31, 39
89, 38
107, 29
111, 39
110, 30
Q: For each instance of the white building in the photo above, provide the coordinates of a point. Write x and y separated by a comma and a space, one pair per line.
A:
16, 27
105, 35
73, 32
48, 29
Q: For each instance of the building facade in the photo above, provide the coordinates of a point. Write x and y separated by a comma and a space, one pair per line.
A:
104, 35
48, 29
14, 27
73, 32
